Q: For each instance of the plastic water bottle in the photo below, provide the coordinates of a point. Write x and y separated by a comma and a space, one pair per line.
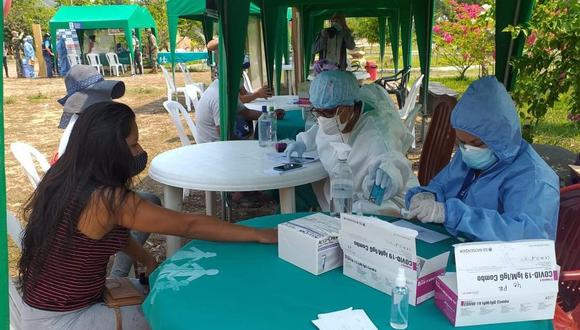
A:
400, 302
341, 185
265, 128
274, 120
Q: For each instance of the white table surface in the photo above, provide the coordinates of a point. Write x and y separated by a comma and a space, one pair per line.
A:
286, 102
225, 166
360, 75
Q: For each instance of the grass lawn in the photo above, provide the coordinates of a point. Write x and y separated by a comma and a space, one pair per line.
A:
553, 129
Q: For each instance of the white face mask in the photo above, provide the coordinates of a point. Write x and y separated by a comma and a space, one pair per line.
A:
329, 126
337, 26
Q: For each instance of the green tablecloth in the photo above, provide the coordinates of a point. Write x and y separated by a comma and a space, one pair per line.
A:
254, 289
291, 125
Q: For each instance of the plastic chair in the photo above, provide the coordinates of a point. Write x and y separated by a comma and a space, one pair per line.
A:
247, 82
175, 108
567, 242
26, 155
193, 93
114, 63
439, 143
95, 61
186, 75
409, 112
397, 84
171, 89
73, 59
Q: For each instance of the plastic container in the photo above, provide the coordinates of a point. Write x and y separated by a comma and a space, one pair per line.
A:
400, 302
341, 183
371, 68
274, 120
265, 136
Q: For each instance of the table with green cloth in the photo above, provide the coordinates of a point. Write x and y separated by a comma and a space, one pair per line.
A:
246, 286
291, 125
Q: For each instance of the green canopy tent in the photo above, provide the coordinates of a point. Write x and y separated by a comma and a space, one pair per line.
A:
126, 17
200, 10
231, 18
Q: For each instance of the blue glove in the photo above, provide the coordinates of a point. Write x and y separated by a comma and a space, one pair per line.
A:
298, 147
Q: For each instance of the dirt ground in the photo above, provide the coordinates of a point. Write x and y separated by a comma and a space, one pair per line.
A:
31, 115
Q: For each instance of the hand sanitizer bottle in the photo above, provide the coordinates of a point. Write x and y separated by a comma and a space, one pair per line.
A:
341, 182
400, 302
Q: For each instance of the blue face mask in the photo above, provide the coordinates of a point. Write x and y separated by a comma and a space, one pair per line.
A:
477, 158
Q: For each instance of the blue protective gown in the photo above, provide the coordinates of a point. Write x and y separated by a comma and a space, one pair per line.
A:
27, 66
517, 197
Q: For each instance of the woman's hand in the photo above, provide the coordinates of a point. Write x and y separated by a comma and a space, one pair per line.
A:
267, 236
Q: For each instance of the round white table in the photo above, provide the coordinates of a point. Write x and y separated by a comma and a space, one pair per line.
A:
225, 166
360, 75
286, 102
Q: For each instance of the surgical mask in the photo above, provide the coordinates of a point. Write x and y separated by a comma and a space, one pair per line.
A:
329, 126
337, 26
139, 163
477, 158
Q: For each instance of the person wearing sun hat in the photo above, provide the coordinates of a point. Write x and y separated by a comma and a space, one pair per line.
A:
85, 86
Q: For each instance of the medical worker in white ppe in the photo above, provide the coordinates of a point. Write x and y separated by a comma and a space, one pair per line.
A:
363, 118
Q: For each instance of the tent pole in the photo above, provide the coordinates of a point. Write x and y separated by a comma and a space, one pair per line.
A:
511, 47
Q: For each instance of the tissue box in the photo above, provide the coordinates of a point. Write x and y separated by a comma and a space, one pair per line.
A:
499, 282
311, 243
375, 249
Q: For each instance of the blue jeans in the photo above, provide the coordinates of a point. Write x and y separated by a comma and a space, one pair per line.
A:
122, 264
49, 65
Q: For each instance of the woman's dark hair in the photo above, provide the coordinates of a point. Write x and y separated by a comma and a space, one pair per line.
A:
97, 158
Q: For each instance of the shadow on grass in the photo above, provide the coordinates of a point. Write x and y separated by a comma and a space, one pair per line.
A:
152, 108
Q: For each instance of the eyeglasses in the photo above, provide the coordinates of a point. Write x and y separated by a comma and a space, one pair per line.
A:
325, 113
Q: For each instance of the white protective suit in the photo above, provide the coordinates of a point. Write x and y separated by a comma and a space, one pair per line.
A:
379, 134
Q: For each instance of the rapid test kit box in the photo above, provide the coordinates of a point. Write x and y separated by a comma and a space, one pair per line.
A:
375, 249
498, 282
311, 243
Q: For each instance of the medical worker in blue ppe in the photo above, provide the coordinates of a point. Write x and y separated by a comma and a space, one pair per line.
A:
496, 187
363, 118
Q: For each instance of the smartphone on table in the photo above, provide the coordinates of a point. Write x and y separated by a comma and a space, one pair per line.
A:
287, 167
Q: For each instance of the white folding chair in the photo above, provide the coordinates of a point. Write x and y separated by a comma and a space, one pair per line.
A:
171, 89
409, 111
95, 61
73, 59
26, 155
247, 82
114, 63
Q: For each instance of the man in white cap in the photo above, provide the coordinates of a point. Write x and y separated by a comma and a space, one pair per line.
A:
85, 86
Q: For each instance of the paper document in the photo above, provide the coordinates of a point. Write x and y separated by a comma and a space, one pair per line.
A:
282, 159
347, 319
426, 235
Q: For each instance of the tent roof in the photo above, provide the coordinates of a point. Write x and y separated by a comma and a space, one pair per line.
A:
95, 17
196, 9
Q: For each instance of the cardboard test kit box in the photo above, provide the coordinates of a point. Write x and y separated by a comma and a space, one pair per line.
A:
375, 249
311, 243
498, 282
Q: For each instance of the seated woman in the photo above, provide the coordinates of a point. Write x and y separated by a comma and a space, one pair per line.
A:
362, 118
81, 214
496, 187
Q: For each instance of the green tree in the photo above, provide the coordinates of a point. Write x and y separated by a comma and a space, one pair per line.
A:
550, 64
158, 10
24, 13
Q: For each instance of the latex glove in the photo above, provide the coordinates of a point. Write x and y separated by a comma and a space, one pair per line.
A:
379, 177
297, 147
426, 209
